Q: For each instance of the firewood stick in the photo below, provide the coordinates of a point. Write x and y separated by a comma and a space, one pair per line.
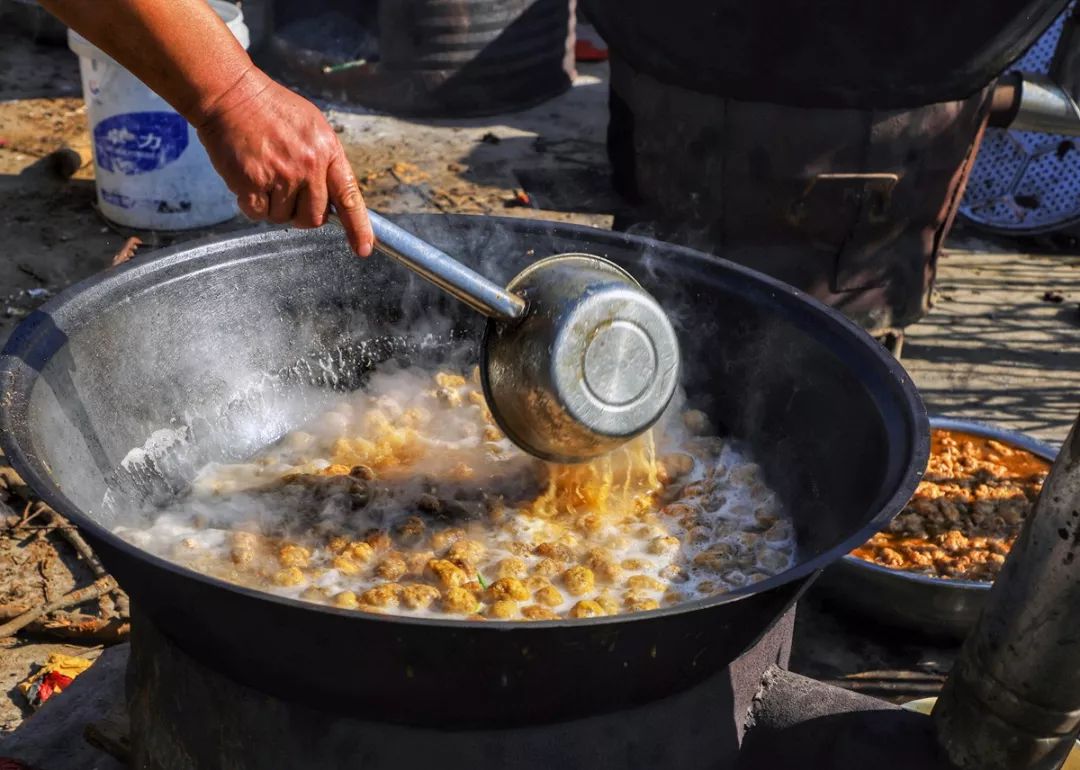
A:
78, 627
95, 630
68, 532
92, 591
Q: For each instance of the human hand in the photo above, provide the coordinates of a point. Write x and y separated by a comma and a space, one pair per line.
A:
277, 152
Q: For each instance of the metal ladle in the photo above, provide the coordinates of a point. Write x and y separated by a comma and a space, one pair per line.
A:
577, 358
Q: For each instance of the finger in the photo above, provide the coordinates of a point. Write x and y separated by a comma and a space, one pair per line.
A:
282, 202
345, 194
255, 205
311, 204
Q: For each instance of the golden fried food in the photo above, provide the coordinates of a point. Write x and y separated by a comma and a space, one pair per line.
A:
406, 498
965, 514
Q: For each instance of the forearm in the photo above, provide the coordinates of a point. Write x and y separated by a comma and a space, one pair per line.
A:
274, 149
181, 49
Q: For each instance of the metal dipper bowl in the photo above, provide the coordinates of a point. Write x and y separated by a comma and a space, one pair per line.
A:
577, 358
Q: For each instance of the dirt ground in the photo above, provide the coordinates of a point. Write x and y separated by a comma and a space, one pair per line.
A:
1002, 344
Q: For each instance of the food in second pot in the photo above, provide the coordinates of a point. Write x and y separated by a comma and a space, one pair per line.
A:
966, 513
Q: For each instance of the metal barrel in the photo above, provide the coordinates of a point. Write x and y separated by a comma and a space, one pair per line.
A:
480, 55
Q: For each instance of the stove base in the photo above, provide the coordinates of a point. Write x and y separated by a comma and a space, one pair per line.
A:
184, 715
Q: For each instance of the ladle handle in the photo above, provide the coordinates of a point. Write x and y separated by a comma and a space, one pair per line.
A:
444, 271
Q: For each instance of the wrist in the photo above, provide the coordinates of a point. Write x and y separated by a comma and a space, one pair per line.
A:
251, 82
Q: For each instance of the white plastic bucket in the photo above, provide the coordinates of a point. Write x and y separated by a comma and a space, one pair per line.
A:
152, 172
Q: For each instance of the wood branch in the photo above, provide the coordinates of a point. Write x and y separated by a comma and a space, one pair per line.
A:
92, 629
77, 626
31, 512
92, 591
67, 531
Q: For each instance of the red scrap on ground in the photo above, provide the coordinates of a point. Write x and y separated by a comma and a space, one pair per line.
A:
585, 50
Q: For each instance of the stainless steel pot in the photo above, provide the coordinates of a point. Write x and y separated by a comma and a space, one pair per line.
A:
936, 606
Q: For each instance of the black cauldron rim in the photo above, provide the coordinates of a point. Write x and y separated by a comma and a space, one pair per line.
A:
38, 337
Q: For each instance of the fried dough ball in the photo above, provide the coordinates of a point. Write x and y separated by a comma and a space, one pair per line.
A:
537, 612
447, 380
442, 540
379, 540
608, 603
663, 544
556, 551
717, 557
460, 601
361, 552
511, 567
640, 604
392, 566
385, 595
446, 573
465, 550
419, 596
774, 561
673, 573
599, 560
244, 546
411, 531
547, 568
548, 595
417, 562
535, 582
346, 600
643, 583
290, 555
503, 610
507, 588
579, 580
315, 594
290, 576
345, 565
449, 397
586, 608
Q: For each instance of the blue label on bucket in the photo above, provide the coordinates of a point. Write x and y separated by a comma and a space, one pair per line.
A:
140, 142
116, 199
152, 204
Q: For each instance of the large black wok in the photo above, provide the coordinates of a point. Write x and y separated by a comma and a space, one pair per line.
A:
187, 357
